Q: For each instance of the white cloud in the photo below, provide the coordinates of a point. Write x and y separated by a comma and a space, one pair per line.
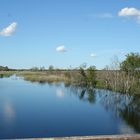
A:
61, 48
93, 55
8, 31
130, 12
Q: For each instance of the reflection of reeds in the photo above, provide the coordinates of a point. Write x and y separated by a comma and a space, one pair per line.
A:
48, 77
6, 73
42, 79
124, 106
44, 76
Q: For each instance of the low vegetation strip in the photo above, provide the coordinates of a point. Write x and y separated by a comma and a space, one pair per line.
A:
121, 77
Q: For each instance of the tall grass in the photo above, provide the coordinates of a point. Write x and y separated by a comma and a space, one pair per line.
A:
113, 80
6, 74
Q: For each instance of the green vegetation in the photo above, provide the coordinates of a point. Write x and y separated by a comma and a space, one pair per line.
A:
43, 77
6, 73
131, 67
88, 77
122, 77
4, 68
131, 64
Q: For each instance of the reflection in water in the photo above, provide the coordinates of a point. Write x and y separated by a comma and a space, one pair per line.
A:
125, 106
9, 112
131, 113
124, 129
1, 75
60, 92
84, 94
82, 112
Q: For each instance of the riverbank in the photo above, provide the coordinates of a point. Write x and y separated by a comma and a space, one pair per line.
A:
117, 81
109, 137
68, 77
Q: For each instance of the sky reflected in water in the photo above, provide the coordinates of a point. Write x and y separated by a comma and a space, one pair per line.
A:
29, 110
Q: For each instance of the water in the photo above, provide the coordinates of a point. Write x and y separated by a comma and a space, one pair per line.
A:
32, 110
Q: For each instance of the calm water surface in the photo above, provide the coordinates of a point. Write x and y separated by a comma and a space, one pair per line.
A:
56, 110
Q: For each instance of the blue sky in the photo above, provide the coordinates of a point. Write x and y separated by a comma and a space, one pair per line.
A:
67, 32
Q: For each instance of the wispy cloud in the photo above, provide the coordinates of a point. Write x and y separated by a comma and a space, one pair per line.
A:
108, 52
130, 13
8, 31
93, 55
102, 15
61, 48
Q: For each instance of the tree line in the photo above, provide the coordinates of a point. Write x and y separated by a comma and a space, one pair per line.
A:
2, 68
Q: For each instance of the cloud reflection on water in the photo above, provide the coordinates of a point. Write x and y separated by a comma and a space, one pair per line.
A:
9, 112
59, 93
124, 129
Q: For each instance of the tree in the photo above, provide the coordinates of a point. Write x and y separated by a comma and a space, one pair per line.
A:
91, 76
83, 77
83, 66
88, 76
51, 68
132, 63
42, 68
131, 66
34, 69
2, 68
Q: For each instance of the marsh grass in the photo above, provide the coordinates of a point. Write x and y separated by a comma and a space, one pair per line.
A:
112, 80
6, 73
47, 77
44, 76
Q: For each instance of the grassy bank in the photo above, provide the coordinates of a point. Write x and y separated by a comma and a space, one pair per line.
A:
6, 73
113, 80
43, 77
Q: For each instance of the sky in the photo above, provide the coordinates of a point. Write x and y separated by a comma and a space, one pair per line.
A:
66, 33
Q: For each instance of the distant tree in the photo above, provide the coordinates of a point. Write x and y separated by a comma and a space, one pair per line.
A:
82, 72
51, 68
42, 68
82, 76
4, 68
34, 69
83, 66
